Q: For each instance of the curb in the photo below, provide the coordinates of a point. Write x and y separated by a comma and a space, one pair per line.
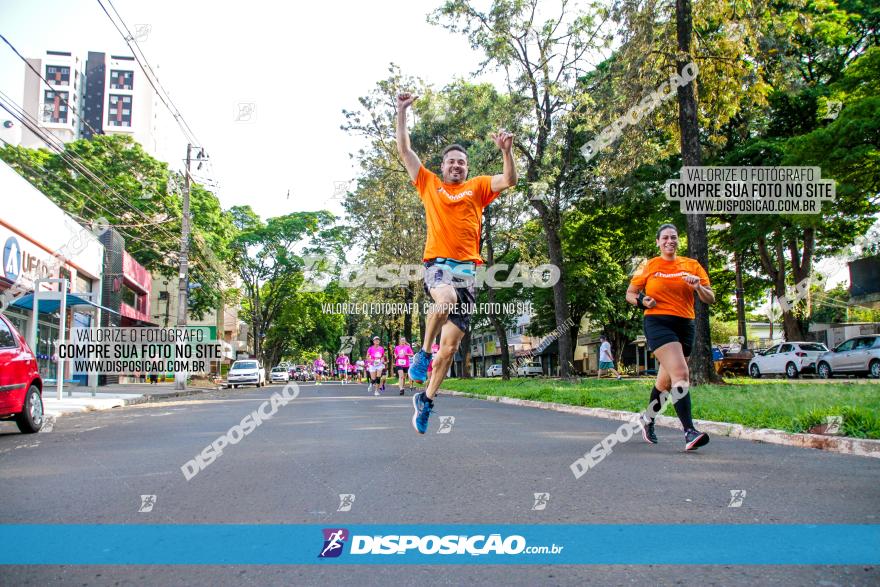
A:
146, 399
862, 447
51, 419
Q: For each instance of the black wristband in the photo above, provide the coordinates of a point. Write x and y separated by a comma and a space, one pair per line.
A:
639, 301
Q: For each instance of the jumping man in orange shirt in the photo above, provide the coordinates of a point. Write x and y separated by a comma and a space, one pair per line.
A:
453, 214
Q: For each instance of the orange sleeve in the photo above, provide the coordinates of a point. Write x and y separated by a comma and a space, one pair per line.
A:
487, 195
422, 178
640, 278
701, 273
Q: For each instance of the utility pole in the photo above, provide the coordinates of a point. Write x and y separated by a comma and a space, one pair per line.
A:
740, 302
167, 302
182, 302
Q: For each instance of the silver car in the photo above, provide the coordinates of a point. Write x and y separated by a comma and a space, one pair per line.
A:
279, 375
856, 356
529, 370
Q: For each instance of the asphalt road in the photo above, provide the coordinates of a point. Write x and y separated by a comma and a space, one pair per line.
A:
93, 468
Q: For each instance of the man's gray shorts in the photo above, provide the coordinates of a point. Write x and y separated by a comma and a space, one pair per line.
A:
461, 277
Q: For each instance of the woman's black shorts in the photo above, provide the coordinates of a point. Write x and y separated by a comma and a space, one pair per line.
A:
661, 329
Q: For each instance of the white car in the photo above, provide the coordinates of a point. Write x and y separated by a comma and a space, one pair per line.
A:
279, 375
529, 369
494, 370
789, 358
246, 372
859, 355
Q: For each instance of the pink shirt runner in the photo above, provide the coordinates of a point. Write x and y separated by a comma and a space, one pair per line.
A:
402, 352
376, 356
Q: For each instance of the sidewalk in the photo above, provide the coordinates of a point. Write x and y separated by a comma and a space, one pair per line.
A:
110, 396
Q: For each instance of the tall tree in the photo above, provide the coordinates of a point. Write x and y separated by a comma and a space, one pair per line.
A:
542, 61
702, 369
845, 148
140, 197
269, 266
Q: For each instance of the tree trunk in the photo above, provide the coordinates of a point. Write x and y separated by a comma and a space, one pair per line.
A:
560, 309
258, 340
549, 219
792, 327
701, 366
464, 350
407, 318
572, 336
801, 265
618, 343
740, 301
500, 332
422, 330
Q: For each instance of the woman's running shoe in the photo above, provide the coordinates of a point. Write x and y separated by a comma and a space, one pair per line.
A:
694, 439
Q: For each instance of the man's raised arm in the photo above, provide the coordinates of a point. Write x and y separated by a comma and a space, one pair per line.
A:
508, 177
410, 159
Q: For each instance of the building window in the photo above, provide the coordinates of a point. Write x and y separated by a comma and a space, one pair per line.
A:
120, 111
57, 75
130, 297
83, 284
54, 106
121, 79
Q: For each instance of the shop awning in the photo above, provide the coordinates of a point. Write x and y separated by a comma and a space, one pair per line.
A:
27, 302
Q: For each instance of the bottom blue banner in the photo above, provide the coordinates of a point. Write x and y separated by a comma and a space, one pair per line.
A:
425, 544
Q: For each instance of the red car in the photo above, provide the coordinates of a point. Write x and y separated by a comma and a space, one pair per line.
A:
21, 387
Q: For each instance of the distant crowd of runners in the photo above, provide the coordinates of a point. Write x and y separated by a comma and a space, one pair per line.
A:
372, 367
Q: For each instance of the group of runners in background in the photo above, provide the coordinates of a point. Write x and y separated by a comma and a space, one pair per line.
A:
372, 368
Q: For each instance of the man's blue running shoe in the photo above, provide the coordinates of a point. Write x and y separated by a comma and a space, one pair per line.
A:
422, 407
418, 371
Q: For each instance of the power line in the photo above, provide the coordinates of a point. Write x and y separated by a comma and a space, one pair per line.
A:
148, 72
39, 132
50, 86
59, 147
60, 144
66, 155
75, 162
70, 158
827, 300
56, 91
83, 220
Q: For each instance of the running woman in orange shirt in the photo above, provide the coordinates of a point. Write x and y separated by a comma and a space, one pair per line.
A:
664, 287
453, 215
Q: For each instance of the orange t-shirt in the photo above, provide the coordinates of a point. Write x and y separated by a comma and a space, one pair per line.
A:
454, 214
663, 281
